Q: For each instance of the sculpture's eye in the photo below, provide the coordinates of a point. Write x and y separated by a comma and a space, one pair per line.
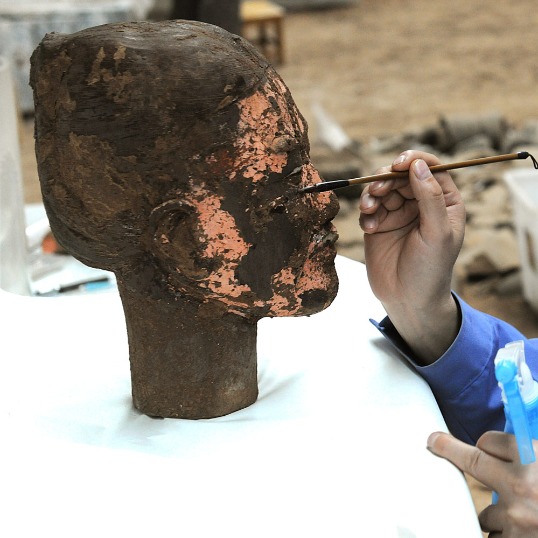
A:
295, 172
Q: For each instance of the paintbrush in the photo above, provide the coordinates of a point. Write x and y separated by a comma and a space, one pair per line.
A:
339, 183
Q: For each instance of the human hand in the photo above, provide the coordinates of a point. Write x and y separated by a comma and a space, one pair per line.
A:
495, 462
413, 233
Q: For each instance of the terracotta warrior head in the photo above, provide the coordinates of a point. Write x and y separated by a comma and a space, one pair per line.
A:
171, 154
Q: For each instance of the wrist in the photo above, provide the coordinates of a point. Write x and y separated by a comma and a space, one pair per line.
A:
428, 330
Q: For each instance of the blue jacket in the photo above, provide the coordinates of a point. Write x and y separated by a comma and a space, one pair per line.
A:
463, 379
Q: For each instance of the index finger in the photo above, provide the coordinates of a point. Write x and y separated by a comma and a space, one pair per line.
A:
381, 188
406, 159
500, 445
403, 162
488, 469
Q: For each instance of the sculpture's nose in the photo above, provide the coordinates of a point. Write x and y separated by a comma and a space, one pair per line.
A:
325, 203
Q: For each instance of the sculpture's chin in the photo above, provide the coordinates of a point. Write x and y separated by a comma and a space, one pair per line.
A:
316, 300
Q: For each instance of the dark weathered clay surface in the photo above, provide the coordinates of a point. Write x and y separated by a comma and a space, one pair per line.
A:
171, 154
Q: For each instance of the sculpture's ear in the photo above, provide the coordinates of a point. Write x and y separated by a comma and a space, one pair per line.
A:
176, 240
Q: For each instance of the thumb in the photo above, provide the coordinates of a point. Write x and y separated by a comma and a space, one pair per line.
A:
431, 201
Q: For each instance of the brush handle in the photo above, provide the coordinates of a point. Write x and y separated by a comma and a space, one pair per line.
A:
338, 184
441, 167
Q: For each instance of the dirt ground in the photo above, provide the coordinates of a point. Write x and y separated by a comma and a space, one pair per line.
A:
383, 67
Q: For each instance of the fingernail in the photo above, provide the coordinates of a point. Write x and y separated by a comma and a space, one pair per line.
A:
421, 170
367, 201
431, 440
377, 185
368, 222
399, 159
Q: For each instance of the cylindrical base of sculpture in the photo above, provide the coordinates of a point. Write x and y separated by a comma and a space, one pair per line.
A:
189, 360
208, 399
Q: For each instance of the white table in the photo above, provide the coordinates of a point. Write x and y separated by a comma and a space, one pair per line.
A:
335, 446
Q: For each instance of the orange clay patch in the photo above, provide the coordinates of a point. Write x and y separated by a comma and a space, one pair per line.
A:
259, 129
221, 240
312, 278
280, 305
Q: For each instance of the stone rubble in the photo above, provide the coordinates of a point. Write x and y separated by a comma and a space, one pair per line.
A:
490, 251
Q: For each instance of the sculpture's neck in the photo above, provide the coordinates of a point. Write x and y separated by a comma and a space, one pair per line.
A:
188, 360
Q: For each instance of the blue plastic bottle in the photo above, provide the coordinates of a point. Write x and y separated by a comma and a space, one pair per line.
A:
520, 399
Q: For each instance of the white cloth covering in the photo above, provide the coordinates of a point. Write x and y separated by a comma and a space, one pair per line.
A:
335, 446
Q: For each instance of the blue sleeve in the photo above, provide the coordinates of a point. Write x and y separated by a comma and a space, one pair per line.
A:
463, 379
